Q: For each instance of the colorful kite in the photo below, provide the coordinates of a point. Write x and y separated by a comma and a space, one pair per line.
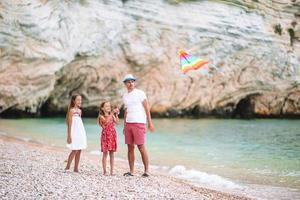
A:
189, 62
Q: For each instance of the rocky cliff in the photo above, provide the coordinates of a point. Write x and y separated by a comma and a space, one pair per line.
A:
50, 49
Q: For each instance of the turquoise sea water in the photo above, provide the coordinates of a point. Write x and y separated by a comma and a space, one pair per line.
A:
224, 153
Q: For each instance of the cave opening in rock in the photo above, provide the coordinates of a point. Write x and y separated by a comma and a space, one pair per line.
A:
49, 110
15, 113
44, 111
244, 109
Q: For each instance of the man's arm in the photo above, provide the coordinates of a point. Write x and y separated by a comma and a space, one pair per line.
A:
148, 114
125, 114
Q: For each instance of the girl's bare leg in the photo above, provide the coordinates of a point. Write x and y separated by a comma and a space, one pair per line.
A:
104, 156
70, 159
77, 158
112, 160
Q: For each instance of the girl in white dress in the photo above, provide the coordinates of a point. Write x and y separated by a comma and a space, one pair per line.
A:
76, 136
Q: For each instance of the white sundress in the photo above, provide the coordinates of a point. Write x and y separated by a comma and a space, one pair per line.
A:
78, 135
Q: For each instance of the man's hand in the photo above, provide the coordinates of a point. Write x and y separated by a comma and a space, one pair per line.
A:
150, 127
116, 111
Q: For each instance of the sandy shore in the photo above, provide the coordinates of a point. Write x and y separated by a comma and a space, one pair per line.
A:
35, 171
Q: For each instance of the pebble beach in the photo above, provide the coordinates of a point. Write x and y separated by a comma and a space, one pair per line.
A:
32, 170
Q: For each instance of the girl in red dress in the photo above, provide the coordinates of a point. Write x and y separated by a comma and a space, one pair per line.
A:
106, 119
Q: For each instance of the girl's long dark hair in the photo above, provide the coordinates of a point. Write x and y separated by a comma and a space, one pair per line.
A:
101, 112
71, 105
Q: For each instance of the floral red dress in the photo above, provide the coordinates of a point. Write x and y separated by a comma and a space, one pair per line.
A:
108, 136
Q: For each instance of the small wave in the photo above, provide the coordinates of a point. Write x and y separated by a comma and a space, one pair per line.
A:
210, 180
95, 152
160, 168
292, 174
137, 164
3, 133
22, 138
25, 139
277, 173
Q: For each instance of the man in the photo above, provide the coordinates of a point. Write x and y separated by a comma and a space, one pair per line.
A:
136, 114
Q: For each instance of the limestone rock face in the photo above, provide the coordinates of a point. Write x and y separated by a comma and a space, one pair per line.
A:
53, 49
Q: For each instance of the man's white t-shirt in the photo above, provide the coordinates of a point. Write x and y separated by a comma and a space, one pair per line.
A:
134, 104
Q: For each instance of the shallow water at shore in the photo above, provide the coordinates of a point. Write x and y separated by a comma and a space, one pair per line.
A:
223, 153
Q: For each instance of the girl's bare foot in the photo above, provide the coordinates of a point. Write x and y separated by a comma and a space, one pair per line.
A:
67, 170
76, 170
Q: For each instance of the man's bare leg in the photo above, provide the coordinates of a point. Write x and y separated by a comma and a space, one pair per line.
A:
131, 157
145, 158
